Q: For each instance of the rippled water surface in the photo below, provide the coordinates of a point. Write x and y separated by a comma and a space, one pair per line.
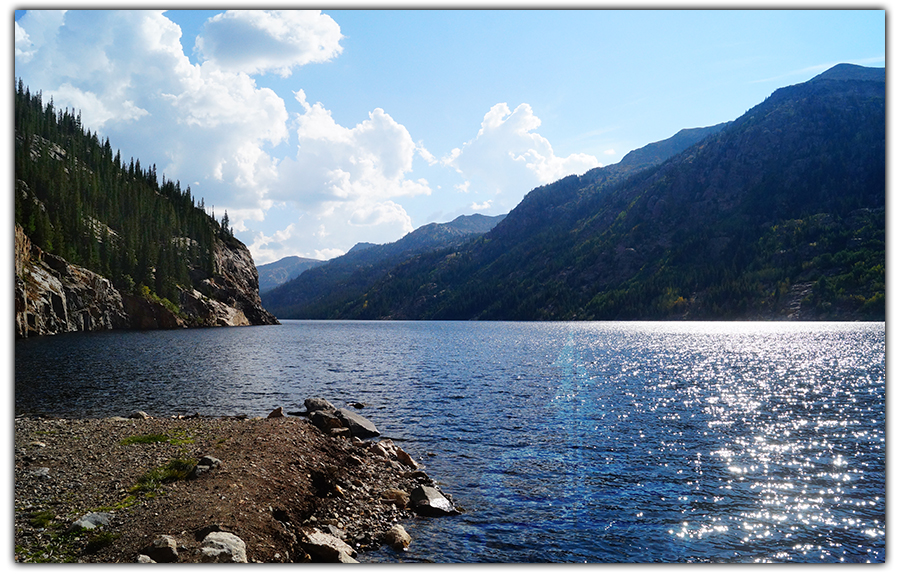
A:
563, 442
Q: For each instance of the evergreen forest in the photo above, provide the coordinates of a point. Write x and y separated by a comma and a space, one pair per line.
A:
77, 198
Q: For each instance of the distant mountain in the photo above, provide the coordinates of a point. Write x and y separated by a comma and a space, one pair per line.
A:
272, 275
318, 293
779, 214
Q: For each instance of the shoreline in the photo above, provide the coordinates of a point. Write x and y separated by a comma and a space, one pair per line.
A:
288, 490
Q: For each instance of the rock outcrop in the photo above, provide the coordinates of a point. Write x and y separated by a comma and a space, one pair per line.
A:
235, 284
53, 296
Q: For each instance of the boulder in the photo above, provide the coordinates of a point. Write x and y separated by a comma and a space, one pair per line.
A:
163, 549
139, 415
144, 559
277, 413
325, 420
325, 547
223, 547
429, 502
359, 426
313, 404
397, 538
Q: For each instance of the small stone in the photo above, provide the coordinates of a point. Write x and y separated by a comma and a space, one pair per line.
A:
340, 432
220, 546
145, 559
397, 538
91, 521
41, 473
396, 497
326, 547
404, 458
358, 425
163, 549
204, 465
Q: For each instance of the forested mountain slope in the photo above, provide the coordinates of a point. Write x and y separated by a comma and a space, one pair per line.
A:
81, 209
319, 293
779, 215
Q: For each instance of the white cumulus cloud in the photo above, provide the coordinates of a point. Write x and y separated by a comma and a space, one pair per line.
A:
358, 169
508, 157
258, 41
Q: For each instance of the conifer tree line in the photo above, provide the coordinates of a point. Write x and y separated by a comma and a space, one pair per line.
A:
77, 198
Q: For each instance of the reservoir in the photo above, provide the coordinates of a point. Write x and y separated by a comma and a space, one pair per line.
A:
562, 442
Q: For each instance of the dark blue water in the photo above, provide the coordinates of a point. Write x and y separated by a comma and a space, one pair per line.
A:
563, 442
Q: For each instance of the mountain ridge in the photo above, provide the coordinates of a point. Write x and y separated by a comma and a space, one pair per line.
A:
778, 214
347, 274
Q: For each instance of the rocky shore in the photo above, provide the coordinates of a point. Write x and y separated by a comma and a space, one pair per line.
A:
319, 485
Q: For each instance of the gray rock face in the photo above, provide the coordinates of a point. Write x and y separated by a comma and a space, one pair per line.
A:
53, 296
359, 426
236, 282
223, 547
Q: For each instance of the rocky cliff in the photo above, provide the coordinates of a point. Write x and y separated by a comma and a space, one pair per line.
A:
53, 296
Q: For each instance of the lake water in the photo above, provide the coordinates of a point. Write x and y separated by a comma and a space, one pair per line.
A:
563, 442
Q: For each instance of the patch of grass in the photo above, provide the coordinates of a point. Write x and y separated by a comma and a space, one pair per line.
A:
126, 503
179, 438
42, 519
174, 470
99, 541
57, 546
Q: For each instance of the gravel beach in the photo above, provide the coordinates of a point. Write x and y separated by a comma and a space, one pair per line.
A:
277, 483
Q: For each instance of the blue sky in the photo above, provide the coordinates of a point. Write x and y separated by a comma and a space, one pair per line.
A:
316, 131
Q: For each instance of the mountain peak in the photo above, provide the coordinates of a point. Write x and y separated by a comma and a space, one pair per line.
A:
848, 72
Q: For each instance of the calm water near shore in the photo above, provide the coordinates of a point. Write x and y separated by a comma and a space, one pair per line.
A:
563, 442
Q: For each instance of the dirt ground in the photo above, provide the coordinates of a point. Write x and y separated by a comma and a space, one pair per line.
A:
275, 475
